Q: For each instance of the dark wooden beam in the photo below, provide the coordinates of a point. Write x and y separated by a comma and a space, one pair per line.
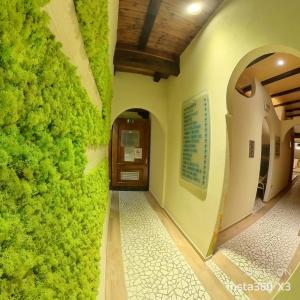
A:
157, 77
287, 92
296, 135
287, 103
151, 15
257, 60
130, 60
292, 109
291, 116
281, 76
275, 78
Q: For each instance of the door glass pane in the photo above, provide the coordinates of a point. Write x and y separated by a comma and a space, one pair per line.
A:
130, 138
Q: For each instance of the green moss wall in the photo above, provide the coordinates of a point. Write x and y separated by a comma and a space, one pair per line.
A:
51, 215
93, 20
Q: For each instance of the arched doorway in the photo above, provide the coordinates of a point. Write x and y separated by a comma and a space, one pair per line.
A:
130, 153
259, 91
143, 162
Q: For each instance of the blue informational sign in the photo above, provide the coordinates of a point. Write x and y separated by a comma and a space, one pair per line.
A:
195, 144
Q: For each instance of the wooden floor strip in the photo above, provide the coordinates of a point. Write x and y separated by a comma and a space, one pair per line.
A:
115, 282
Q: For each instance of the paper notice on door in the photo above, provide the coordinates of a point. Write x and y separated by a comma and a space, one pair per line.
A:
129, 154
138, 153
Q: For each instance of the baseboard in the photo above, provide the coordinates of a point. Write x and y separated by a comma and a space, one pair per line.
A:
236, 222
103, 252
169, 214
155, 198
124, 188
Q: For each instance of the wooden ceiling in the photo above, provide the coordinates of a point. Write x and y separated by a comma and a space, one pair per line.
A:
152, 34
282, 82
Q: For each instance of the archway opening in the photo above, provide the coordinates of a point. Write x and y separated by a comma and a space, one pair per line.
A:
261, 96
262, 112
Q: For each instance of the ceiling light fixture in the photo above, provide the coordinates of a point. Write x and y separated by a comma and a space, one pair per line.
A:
280, 62
194, 8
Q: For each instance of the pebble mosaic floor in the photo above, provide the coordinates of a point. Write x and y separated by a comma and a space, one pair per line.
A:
154, 268
264, 250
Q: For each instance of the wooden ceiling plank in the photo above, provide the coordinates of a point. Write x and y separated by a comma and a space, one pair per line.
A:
152, 12
154, 52
174, 29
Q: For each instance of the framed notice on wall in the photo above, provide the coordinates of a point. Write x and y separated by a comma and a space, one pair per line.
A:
251, 149
277, 146
195, 145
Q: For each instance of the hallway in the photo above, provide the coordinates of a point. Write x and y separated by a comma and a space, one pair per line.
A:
154, 268
264, 250
135, 137
149, 258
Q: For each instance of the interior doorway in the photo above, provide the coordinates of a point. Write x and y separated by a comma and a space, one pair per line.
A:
130, 151
295, 146
296, 162
264, 163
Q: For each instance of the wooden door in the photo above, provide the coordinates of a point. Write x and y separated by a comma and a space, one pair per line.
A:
130, 154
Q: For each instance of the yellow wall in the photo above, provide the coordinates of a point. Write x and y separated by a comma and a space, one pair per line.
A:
157, 160
138, 91
207, 64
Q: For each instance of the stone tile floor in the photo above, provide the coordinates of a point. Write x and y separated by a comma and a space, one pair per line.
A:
264, 250
154, 268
